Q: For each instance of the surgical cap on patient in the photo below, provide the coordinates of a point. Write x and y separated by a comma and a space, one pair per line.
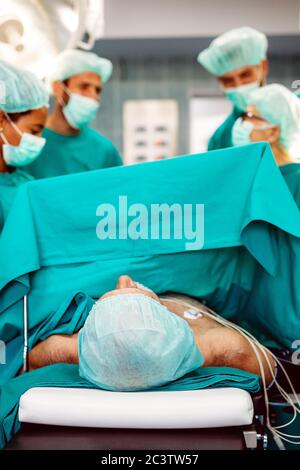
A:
131, 342
234, 49
20, 90
73, 61
281, 107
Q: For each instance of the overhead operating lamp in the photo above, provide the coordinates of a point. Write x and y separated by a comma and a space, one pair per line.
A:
33, 32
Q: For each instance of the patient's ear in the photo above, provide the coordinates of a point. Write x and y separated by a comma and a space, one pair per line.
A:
59, 91
265, 70
273, 134
2, 119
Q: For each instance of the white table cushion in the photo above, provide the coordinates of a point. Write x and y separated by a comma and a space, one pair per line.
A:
157, 410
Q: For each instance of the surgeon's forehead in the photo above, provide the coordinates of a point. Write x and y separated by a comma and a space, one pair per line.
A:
238, 71
85, 77
36, 117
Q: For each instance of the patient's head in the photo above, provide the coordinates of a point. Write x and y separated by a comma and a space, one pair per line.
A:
130, 341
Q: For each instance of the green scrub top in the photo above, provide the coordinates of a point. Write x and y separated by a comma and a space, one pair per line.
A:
9, 183
291, 174
65, 154
267, 295
222, 136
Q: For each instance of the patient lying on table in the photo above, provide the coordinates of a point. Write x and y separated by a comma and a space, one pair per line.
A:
135, 340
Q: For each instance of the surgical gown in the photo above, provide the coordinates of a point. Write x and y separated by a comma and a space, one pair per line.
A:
291, 174
222, 136
9, 183
277, 297
65, 154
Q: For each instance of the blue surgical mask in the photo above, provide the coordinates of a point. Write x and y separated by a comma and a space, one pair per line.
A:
241, 132
26, 152
80, 110
240, 96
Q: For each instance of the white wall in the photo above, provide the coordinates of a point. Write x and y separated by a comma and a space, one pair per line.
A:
190, 18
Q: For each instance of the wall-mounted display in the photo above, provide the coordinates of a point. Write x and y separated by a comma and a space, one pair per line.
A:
150, 126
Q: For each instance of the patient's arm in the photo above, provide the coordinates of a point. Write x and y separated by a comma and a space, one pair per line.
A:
55, 349
222, 346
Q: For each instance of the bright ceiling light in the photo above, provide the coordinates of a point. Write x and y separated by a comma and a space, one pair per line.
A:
33, 32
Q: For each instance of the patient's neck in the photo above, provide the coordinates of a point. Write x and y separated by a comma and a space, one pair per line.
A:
282, 157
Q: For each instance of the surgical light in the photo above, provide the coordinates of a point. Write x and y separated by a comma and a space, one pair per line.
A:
33, 32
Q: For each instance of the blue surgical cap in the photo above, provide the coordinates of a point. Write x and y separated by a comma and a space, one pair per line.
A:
281, 107
74, 61
20, 90
131, 342
234, 49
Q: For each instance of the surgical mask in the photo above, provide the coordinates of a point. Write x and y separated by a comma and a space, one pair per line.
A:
26, 152
240, 96
241, 132
80, 110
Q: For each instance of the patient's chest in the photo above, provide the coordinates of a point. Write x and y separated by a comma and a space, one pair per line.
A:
191, 310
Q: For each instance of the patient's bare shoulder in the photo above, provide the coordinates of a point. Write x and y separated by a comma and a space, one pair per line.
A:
225, 347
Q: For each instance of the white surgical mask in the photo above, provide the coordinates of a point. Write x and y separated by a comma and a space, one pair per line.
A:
26, 152
241, 132
80, 110
240, 96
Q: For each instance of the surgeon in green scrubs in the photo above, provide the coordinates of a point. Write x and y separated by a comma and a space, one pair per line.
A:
72, 146
273, 115
23, 114
237, 59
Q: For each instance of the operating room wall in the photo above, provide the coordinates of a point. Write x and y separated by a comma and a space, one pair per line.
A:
188, 18
175, 78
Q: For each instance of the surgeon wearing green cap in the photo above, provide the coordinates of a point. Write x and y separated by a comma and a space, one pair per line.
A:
273, 115
72, 146
238, 60
23, 114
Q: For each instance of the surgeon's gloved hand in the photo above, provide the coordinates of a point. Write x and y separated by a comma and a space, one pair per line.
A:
131, 342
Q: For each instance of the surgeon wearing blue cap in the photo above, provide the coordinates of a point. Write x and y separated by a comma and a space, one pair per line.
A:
273, 116
23, 113
238, 59
76, 81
